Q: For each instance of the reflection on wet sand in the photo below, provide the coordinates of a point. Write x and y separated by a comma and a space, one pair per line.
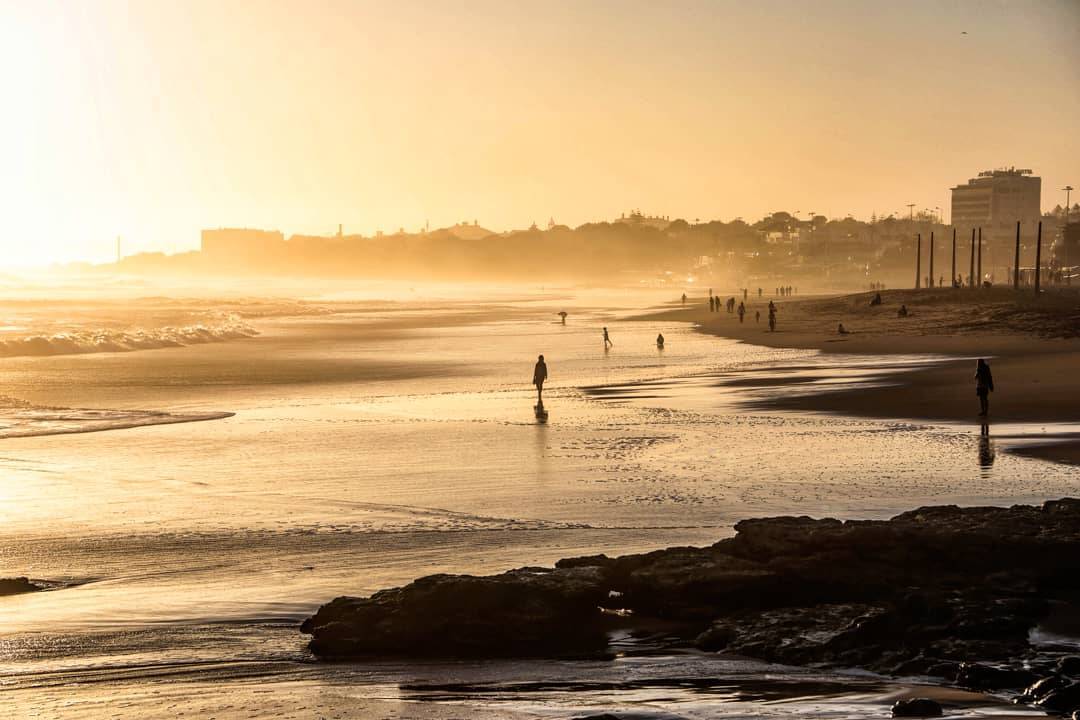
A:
986, 449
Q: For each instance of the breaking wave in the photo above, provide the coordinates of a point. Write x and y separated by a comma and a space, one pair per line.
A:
104, 340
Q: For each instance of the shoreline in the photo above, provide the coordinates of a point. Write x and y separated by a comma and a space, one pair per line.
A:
1034, 372
938, 592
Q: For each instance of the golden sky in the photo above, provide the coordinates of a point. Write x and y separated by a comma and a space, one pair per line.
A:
152, 120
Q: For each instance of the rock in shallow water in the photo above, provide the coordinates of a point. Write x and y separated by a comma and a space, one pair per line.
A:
519, 613
916, 707
922, 591
14, 586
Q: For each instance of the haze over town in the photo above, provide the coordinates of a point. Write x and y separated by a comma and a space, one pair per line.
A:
152, 121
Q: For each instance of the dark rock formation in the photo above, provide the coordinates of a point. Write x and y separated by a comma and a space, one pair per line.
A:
918, 594
916, 707
519, 613
14, 586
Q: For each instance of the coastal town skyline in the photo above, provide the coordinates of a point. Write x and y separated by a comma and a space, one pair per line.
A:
409, 115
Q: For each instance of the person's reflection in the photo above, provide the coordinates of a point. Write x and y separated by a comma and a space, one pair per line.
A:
986, 448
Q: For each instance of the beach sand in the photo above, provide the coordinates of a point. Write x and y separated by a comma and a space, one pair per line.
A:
1033, 346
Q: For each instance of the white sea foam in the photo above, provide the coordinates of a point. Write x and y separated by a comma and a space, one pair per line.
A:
107, 340
22, 419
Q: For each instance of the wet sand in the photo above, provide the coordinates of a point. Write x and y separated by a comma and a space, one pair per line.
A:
1033, 347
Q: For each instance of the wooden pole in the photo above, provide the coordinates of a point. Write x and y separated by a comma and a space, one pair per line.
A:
918, 260
952, 279
1016, 259
930, 284
1038, 258
971, 270
979, 283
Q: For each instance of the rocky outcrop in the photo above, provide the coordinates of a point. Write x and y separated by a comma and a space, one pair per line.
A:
531, 611
15, 586
921, 593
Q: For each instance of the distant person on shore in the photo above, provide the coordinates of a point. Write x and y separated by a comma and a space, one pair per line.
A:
757, 316
772, 307
902, 312
684, 298
772, 318
744, 293
607, 340
759, 292
660, 341
742, 311
539, 376
562, 314
984, 385
712, 304
876, 299
840, 330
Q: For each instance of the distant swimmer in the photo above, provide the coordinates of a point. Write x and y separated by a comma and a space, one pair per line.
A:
984, 385
607, 340
902, 312
660, 341
562, 314
539, 376
841, 330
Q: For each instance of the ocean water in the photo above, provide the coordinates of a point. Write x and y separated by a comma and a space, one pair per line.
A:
348, 444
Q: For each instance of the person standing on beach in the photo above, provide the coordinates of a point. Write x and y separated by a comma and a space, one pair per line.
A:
607, 340
742, 311
772, 317
712, 304
539, 376
984, 385
684, 298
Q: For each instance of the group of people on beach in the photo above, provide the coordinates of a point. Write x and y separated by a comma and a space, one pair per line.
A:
984, 379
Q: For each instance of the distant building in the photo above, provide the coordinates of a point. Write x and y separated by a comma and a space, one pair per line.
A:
1067, 250
241, 245
995, 201
636, 218
997, 197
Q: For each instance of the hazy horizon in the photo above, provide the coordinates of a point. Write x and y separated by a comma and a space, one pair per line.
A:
151, 122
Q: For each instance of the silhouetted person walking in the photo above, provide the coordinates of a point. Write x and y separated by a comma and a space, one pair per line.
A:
684, 298
984, 385
772, 318
539, 376
742, 311
607, 340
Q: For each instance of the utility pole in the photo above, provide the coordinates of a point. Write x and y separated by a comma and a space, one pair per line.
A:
971, 269
918, 260
911, 212
1016, 260
979, 283
930, 282
1068, 189
952, 279
1038, 258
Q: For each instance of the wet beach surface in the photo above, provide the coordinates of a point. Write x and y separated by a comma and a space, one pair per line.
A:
373, 445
